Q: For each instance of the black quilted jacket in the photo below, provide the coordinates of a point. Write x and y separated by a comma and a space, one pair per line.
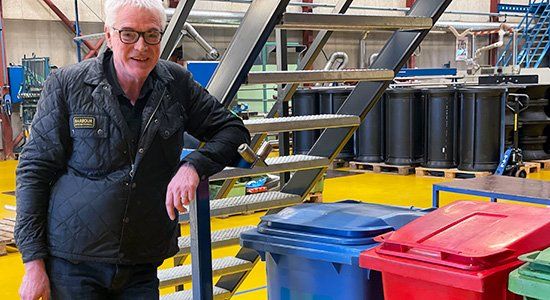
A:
81, 193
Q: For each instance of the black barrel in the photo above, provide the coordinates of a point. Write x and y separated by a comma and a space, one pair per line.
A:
305, 102
369, 139
441, 128
535, 111
533, 148
404, 127
330, 102
479, 136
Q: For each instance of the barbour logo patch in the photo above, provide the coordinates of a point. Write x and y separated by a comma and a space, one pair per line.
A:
84, 122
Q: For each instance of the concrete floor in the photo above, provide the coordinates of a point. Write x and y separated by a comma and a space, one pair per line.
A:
369, 187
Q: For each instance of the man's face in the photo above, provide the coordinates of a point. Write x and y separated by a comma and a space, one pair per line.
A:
134, 61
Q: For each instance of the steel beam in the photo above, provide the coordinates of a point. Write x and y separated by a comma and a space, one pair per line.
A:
338, 22
201, 244
173, 31
319, 76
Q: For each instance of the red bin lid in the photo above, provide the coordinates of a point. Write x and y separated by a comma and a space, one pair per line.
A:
470, 235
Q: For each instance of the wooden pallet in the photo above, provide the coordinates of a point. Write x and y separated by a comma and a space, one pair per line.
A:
338, 163
6, 234
314, 198
448, 173
362, 167
544, 164
531, 167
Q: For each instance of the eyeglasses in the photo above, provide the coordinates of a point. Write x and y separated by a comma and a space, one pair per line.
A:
128, 36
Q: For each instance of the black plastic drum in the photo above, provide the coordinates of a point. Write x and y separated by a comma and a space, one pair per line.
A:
480, 121
305, 102
404, 127
369, 139
441, 128
330, 102
533, 148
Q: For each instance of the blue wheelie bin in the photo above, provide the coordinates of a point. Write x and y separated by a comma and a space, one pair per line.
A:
312, 250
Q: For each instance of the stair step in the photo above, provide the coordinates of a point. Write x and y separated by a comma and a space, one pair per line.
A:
274, 165
219, 294
312, 76
220, 238
339, 22
285, 124
183, 274
248, 204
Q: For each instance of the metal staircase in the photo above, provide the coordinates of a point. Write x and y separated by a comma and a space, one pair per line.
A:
533, 37
262, 17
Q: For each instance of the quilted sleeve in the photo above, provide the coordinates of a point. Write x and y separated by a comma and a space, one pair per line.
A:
40, 162
209, 121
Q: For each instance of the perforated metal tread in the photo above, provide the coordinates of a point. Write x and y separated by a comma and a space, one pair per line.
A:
219, 294
220, 238
221, 266
248, 203
350, 22
286, 124
275, 165
310, 76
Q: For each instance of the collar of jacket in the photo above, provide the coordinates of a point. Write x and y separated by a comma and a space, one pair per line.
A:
95, 74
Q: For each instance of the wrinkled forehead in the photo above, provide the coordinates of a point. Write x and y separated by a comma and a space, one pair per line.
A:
137, 18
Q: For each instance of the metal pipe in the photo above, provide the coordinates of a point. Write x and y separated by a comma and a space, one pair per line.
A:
77, 32
212, 53
66, 21
514, 48
372, 58
333, 58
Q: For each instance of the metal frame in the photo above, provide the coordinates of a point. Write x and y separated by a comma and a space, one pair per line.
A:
493, 193
256, 26
393, 56
172, 34
305, 63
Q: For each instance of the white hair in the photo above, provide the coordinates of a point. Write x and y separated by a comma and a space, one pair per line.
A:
111, 8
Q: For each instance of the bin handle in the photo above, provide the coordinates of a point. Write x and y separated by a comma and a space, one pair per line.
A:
440, 256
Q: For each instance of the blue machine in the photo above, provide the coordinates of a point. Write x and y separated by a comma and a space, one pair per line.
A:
312, 250
202, 70
427, 72
15, 74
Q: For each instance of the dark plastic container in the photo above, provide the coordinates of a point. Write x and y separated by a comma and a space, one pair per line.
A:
480, 121
533, 128
533, 148
464, 250
330, 101
441, 129
312, 250
535, 111
305, 102
404, 127
369, 139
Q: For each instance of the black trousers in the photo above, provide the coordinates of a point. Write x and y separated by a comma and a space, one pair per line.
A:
92, 280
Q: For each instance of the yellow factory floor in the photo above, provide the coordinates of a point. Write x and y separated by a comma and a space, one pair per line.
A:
377, 188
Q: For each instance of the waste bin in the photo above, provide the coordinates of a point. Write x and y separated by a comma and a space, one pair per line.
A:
312, 250
532, 280
464, 250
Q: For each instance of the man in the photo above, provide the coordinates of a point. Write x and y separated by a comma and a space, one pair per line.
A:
99, 181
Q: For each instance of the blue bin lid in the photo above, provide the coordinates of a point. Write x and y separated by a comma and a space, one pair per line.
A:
343, 229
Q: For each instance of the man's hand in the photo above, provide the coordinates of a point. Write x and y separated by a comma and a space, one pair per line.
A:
181, 189
36, 284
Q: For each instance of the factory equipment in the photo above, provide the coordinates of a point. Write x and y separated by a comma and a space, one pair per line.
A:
35, 72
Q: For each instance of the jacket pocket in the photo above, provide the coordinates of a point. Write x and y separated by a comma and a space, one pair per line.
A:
91, 148
171, 132
89, 126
